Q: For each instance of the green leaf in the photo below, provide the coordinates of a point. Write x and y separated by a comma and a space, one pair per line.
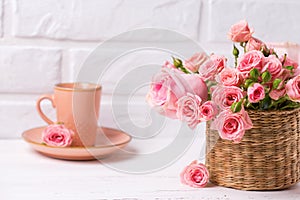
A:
289, 67
276, 83
254, 73
278, 103
232, 107
266, 76
291, 105
282, 99
236, 106
248, 104
266, 103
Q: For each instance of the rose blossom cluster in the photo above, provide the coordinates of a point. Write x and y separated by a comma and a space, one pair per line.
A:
204, 88
184, 96
270, 80
178, 91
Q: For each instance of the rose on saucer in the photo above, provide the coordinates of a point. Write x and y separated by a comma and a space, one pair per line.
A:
57, 135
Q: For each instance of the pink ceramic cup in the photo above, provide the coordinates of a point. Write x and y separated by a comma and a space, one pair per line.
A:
77, 107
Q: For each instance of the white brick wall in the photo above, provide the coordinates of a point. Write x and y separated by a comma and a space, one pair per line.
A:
100, 19
274, 20
43, 42
29, 70
18, 114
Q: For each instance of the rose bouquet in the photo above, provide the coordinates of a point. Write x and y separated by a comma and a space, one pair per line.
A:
204, 88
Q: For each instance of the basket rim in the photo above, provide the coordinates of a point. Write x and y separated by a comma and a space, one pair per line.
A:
273, 111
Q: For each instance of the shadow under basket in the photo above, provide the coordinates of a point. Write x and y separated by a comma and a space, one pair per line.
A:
267, 158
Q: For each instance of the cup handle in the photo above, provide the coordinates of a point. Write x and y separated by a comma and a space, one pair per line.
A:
38, 107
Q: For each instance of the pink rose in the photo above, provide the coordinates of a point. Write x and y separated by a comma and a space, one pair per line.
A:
273, 65
250, 60
163, 94
240, 32
225, 96
232, 126
285, 74
256, 93
57, 135
194, 84
293, 89
170, 85
254, 44
219, 62
277, 94
195, 175
188, 109
208, 111
230, 77
290, 62
296, 72
208, 71
196, 61
211, 68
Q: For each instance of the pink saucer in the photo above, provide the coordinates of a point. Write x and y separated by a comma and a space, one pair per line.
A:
108, 140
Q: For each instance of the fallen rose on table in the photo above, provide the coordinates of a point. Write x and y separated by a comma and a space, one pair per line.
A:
195, 175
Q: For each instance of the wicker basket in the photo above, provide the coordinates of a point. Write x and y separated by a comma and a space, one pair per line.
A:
268, 158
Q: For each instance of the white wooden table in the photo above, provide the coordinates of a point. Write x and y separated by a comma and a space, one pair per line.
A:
26, 174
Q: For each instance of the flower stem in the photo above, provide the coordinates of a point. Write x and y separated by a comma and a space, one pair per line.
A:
235, 52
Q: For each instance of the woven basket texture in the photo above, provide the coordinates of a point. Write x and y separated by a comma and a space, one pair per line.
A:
268, 157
